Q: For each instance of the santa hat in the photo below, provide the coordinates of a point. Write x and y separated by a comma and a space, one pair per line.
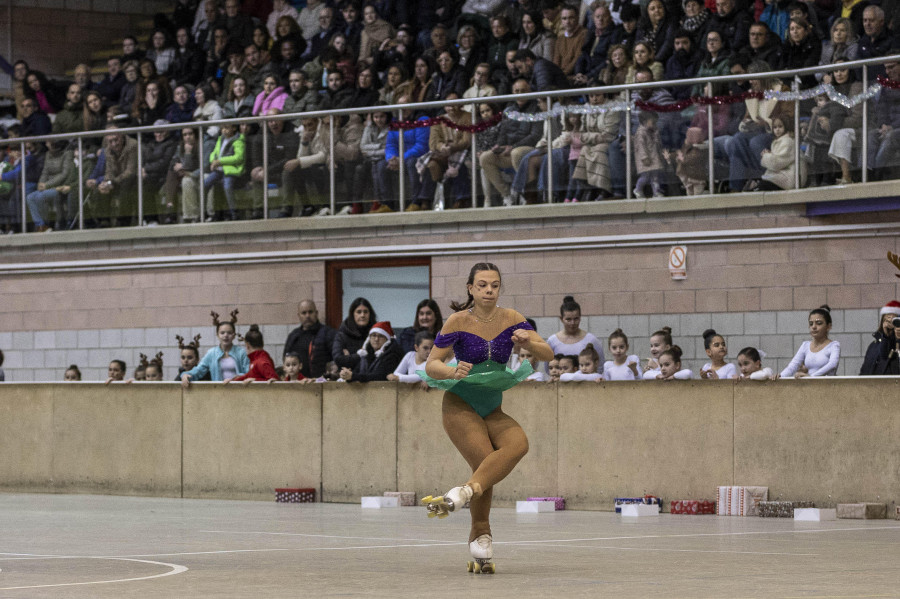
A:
384, 329
892, 307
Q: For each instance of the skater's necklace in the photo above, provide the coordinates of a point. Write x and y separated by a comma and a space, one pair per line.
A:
472, 312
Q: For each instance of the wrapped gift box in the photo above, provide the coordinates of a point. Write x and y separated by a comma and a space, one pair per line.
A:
813, 514
740, 501
376, 503
295, 495
406, 498
559, 502
781, 509
534, 507
862, 511
692, 507
646, 500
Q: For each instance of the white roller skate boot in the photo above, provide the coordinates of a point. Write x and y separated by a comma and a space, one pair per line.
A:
452, 501
482, 551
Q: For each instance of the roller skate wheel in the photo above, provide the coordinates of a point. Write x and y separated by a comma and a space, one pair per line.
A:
443, 514
476, 567
470, 566
489, 569
432, 514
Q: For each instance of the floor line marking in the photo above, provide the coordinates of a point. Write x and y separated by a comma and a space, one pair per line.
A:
300, 534
682, 550
175, 569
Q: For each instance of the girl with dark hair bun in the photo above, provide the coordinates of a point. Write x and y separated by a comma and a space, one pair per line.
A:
353, 333
481, 335
72, 374
670, 366
262, 367
750, 363
820, 355
572, 338
660, 341
716, 349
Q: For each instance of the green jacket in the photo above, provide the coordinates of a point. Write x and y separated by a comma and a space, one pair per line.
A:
231, 157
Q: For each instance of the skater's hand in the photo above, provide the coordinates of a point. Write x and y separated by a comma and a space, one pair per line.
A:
462, 370
521, 338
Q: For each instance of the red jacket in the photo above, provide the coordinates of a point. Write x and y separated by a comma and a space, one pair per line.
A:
262, 368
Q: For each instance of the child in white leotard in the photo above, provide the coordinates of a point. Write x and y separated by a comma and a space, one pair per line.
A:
821, 355
622, 367
670, 366
716, 349
750, 363
588, 360
660, 341
414, 360
526, 356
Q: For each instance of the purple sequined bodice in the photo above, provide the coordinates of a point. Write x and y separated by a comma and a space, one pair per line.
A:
469, 347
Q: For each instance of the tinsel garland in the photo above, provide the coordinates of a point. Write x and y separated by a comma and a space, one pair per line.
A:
889, 83
442, 120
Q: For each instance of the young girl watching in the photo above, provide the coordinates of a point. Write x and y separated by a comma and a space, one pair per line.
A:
153, 371
526, 356
554, 369
414, 360
670, 365
224, 361
189, 354
568, 364
622, 367
779, 160
750, 363
262, 368
716, 349
660, 341
820, 355
292, 366
588, 361
116, 371
72, 374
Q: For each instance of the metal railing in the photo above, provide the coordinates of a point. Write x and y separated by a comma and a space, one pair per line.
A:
399, 109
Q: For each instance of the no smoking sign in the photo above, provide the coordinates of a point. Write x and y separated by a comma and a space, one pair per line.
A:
678, 262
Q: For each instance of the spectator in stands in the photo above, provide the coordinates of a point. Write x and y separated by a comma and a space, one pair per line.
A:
595, 51
148, 74
732, 23
48, 97
151, 107
448, 149
263, 42
271, 96
853, 10
684, 64
282, 145
764, 46
131, 50
414, 360
777, 16
695, 20
820, 355
450, 78
502, 41
207, 17
366, 91
70, 118
312, 341
11, 180
884, 140
514, 141
301, 98
440, 41
57, 171
161, 51
552, 11
184, 173
375, 31
20, 73
82, 76
280, 8
114, 180
227, 166
240, 26
309, 18
845, 137
876, 41
535, 37
157, 157
419, 87
182, 108
94, 119
600, 129
617, 66
337, 94
328, 27
716, 62
240, 102
218, 55
234, 67
883, 356
110, 87
745, 147
572, 339
254, 71
630, 15
658, 28
348, 131
34, 120
128, 93
287, 60
345, 56
415, 145
394, 79
801, 49
207, 109
481, 87
841, 45
778, 159
352, 334
187, 63
352, 24
541, 74
427, 318
644, 58
398, 51
826, 118
379, 356
568, 44
469, 52
305, 174
225, 360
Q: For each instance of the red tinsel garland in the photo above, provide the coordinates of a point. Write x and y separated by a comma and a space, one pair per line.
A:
888, 83
442, 120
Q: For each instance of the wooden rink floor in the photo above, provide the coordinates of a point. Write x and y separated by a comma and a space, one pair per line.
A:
83, 546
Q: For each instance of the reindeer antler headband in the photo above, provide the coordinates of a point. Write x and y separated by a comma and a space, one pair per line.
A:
895, 260
195, 344
217, 322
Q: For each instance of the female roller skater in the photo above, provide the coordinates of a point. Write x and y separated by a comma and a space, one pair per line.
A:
481, 335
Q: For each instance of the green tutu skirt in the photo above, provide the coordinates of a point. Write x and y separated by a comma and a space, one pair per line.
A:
483, 387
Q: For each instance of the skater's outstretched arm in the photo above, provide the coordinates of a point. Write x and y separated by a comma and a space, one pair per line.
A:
436, 366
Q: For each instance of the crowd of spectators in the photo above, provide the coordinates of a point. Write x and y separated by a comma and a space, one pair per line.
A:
212, 60
364, 349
